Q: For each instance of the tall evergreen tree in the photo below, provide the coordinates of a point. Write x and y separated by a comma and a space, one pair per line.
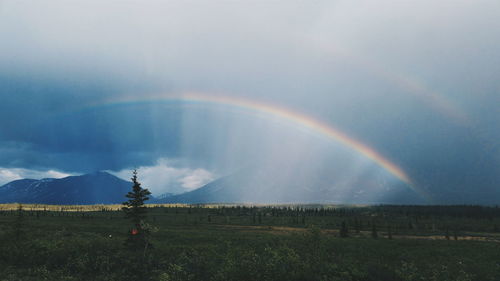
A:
137, 213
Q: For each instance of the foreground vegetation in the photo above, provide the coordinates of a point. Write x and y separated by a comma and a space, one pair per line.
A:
221, 242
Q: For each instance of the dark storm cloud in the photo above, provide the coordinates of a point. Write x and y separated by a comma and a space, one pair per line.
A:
44, 125
417, 81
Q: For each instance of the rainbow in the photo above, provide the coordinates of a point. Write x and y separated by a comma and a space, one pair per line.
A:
410, 85
293, 117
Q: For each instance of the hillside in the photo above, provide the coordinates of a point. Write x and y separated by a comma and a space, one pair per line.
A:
94, 188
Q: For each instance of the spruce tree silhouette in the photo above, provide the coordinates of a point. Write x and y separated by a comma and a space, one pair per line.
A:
138, 236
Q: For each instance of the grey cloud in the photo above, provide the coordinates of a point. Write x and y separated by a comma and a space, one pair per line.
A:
380, 71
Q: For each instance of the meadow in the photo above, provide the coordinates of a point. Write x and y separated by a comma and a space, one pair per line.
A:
244, 242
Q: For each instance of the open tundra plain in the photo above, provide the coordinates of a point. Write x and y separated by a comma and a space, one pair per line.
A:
244, 242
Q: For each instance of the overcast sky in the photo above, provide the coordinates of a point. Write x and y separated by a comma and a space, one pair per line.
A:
417, 81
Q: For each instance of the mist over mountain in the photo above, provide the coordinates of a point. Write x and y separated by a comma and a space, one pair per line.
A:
268, 186
249, 185
256, 184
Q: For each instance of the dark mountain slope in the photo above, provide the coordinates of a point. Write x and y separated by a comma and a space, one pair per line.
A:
95, 188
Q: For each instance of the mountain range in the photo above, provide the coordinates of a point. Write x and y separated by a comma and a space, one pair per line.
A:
94, 188
244, 186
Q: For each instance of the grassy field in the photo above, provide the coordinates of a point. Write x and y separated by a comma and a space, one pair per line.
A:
229, 242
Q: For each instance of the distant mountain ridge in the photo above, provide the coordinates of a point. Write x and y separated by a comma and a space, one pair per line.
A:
264, 186
94, 188
245, 186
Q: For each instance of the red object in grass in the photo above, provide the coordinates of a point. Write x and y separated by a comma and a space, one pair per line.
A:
134, 231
